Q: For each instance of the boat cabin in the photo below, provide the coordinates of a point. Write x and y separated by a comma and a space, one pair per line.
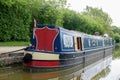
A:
50, 38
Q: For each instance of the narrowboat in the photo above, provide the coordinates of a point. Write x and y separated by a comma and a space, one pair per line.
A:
53, 46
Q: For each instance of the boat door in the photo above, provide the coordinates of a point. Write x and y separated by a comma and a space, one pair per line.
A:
77, 43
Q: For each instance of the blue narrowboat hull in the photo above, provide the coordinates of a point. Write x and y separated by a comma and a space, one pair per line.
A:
68, 59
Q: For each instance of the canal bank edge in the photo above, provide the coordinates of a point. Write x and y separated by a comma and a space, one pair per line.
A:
11, 54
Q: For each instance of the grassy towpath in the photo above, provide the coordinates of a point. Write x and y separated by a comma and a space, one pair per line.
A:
14, 43
12, 46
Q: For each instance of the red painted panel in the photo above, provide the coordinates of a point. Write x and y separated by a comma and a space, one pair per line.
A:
45, 38
42, 63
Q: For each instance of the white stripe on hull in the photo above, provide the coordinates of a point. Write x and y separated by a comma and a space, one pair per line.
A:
43, 56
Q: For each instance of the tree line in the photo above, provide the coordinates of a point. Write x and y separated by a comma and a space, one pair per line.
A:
16, 17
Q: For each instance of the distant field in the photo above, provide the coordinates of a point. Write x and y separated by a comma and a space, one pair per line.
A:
14, 43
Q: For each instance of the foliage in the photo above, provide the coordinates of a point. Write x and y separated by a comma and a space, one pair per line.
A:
104, 22
115, 33
71, 19
99, 16
16, 17
48, 12
14, 20
90, 26
81, 22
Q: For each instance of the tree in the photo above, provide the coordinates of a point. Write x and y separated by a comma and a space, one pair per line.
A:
80, 22
71, 19
115, 33
89, 25
16, 17
14, 20
100, 16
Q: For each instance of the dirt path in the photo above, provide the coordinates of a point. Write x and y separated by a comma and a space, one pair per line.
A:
10, 48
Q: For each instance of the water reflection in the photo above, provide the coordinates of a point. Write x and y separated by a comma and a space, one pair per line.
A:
102, 74
117, 51
115, 71
112, 72
91, 70
65, 74
41, 76
80, 72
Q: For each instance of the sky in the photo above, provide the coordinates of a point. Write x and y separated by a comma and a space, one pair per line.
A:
111, 7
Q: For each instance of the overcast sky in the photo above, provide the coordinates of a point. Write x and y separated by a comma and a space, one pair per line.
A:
112, 7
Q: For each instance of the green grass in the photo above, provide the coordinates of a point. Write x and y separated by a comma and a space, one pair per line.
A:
14, 43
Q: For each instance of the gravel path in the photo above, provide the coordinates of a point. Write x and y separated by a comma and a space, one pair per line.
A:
10, 48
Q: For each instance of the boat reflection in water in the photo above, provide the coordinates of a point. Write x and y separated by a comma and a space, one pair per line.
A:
79, 72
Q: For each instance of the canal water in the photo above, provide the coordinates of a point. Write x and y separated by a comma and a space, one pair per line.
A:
105, 69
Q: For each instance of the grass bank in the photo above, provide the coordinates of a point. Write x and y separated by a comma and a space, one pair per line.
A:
14, 43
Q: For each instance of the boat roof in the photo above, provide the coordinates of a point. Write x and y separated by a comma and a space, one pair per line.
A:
72, 32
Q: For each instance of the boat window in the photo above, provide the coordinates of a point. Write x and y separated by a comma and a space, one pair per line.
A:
67, 41
103, 42
110, 41
93, 43
96, 42
89, 44
100, 42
